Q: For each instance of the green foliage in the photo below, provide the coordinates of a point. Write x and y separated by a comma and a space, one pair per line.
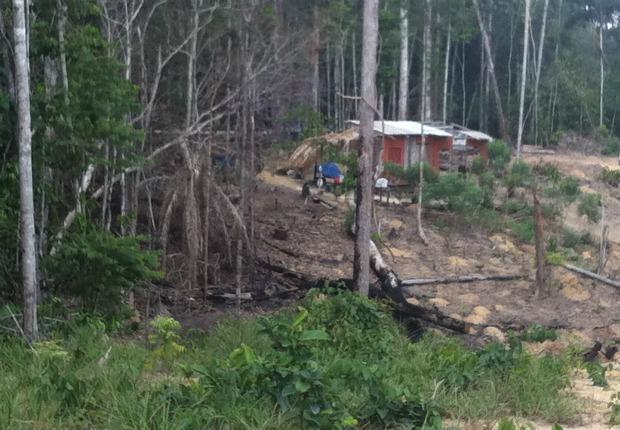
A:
555, 258
509, 424
10, 280
412, 174
499, 156
312, 122
165, 339
523, 230
339, 362
97, 266
614, 406
573, 239
569, 188
538, 333
478, 166
548, 170
349, 220
596, 373
457, 193
486, 181
520, 175
611, 177
590, 206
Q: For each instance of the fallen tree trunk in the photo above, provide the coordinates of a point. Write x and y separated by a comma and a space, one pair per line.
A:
592, 275
459, 279
391, 286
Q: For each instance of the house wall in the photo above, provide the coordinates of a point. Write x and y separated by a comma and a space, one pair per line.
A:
404, 150
481, 145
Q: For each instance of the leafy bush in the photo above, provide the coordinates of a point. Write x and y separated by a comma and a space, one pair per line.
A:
478, 166
523, 230
457, 193
590, 206
9, 241
611, 177
412, 174
520, 175
597, 373
549, 171
97, 267
538, 333
569, 188
573, 239
499, 156
486, 181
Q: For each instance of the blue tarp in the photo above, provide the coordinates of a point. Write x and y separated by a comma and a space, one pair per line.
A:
330, 170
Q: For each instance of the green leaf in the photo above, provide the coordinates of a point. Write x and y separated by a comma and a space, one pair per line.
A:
314, 335
301, 386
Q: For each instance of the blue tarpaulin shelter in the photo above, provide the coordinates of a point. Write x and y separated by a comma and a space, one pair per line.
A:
331, 170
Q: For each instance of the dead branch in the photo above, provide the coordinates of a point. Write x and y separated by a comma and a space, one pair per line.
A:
459, 279
592, 275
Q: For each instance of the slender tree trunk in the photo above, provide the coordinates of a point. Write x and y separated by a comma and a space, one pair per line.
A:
489, 53
403, 88
526, 46
510, 51
541, 278
28, 242
541, 45
444, 116
426, 65
463, 87
422, 150
363, 209
354, 65
314, 56
602, 91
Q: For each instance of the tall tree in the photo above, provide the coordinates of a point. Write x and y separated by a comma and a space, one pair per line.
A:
361, 260
22, 83
526, 46
489, 54
403, 88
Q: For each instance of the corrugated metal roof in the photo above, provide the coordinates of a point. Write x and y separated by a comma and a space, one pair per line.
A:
405, 128
478, 135
460, 131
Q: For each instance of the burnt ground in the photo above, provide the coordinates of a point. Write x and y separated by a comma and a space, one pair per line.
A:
318, 245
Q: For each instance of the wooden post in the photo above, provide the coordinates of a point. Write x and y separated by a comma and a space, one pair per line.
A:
539, 221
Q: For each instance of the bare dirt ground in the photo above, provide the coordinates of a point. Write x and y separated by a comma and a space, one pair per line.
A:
583, 311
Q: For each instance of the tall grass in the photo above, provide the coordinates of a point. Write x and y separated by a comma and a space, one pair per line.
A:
368, 367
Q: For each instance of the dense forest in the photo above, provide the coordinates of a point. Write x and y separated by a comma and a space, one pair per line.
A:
133, 134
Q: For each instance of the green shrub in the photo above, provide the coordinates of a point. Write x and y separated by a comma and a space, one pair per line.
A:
499, 156
573, 239
523, 230
486, 181
412, 174
520, 175
611, 177
597, 373
569, 188
349, 220
478, 166
393, 169
97, 267
457, 193
590, 206
538, 333
10, 279
549, 171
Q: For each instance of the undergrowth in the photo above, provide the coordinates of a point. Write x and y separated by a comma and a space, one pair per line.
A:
338, 361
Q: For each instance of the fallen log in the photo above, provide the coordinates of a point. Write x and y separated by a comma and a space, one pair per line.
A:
592, 275
391, 286
459, 279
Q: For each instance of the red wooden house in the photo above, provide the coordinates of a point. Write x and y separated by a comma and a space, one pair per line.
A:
402, 140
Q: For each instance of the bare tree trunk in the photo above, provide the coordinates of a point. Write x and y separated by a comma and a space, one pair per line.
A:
422, 151
510, 51
28, 242
541, 45
602, 254
463, 87
426, 65
363, 208
354, 65
444, 116
602, 91
403, 88
526, 46
489, 53
314, 56
541, 269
